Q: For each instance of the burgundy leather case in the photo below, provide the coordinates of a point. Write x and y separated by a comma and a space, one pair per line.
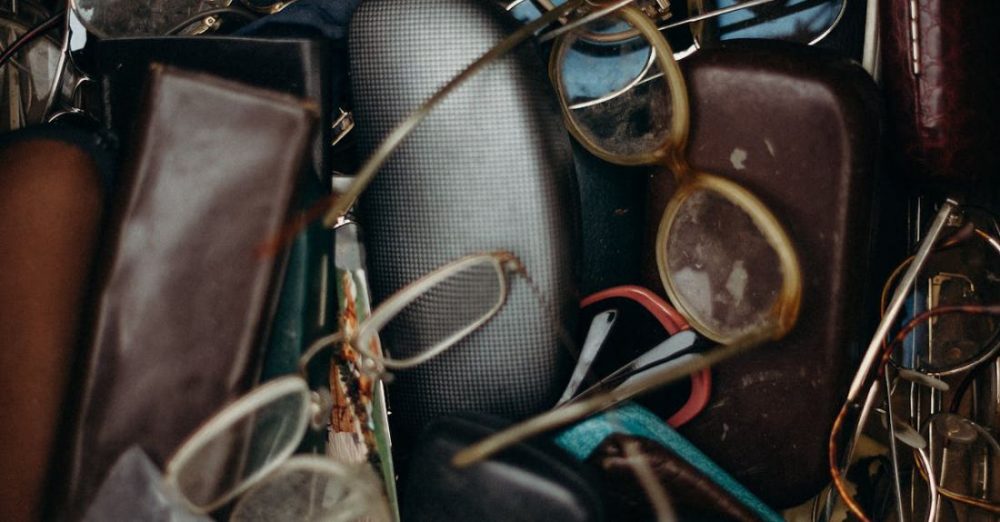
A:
299, 67
942, 80
799, 127
185, 298
50, 210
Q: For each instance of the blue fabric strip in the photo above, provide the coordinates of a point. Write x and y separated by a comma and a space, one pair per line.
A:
631, 419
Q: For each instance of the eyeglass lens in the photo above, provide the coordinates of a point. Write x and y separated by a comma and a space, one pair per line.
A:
225, 462
324, 492
445, 311
597, 67
723, 268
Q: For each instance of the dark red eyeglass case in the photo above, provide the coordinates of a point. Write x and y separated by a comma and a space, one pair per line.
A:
798, 127
941, 75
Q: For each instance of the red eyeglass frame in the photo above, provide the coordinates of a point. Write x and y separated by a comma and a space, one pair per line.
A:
673, 322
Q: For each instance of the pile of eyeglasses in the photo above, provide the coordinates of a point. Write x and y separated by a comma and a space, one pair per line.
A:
317, 432
939, 372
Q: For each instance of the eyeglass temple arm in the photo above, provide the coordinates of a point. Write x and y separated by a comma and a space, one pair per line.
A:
317, 346
367, 171
576, 411
899, 296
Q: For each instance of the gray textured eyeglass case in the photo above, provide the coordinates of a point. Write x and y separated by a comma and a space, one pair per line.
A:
489, 169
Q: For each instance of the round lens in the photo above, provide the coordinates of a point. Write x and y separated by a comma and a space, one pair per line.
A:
438, 310
315, 489
803, 21
241, 444
117, 18
609, 78
603, 59
726, 263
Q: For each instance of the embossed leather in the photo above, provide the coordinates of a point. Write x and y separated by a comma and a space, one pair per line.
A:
941, 75
798, 127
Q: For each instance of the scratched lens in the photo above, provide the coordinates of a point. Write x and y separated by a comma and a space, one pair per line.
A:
215, 466
722, 269
803, 21
610, 87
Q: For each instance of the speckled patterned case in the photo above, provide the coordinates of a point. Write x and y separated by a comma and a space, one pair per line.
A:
489, 169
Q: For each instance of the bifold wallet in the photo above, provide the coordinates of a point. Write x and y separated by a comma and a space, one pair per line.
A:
185, 296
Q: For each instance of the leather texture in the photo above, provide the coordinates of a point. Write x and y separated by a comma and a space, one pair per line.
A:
490, 168
298, 67
693, 495
799, 128
51, 203
184, 303
943, 100
531, 481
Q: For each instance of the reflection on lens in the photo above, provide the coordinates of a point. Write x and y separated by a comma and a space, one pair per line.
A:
225, 460
314, 489
611, 106
26, 79
115, 18
964, 456
722, 269
445, 311
803, 21
593, 69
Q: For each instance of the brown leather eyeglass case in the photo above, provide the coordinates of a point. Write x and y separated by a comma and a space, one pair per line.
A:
799, 128
185, 298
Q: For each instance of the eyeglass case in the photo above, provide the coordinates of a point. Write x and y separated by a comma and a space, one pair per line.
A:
489, 169
530, 481
799, 128
184, 302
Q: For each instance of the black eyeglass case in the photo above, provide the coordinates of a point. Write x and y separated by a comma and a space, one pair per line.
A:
798, 127
489, 169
